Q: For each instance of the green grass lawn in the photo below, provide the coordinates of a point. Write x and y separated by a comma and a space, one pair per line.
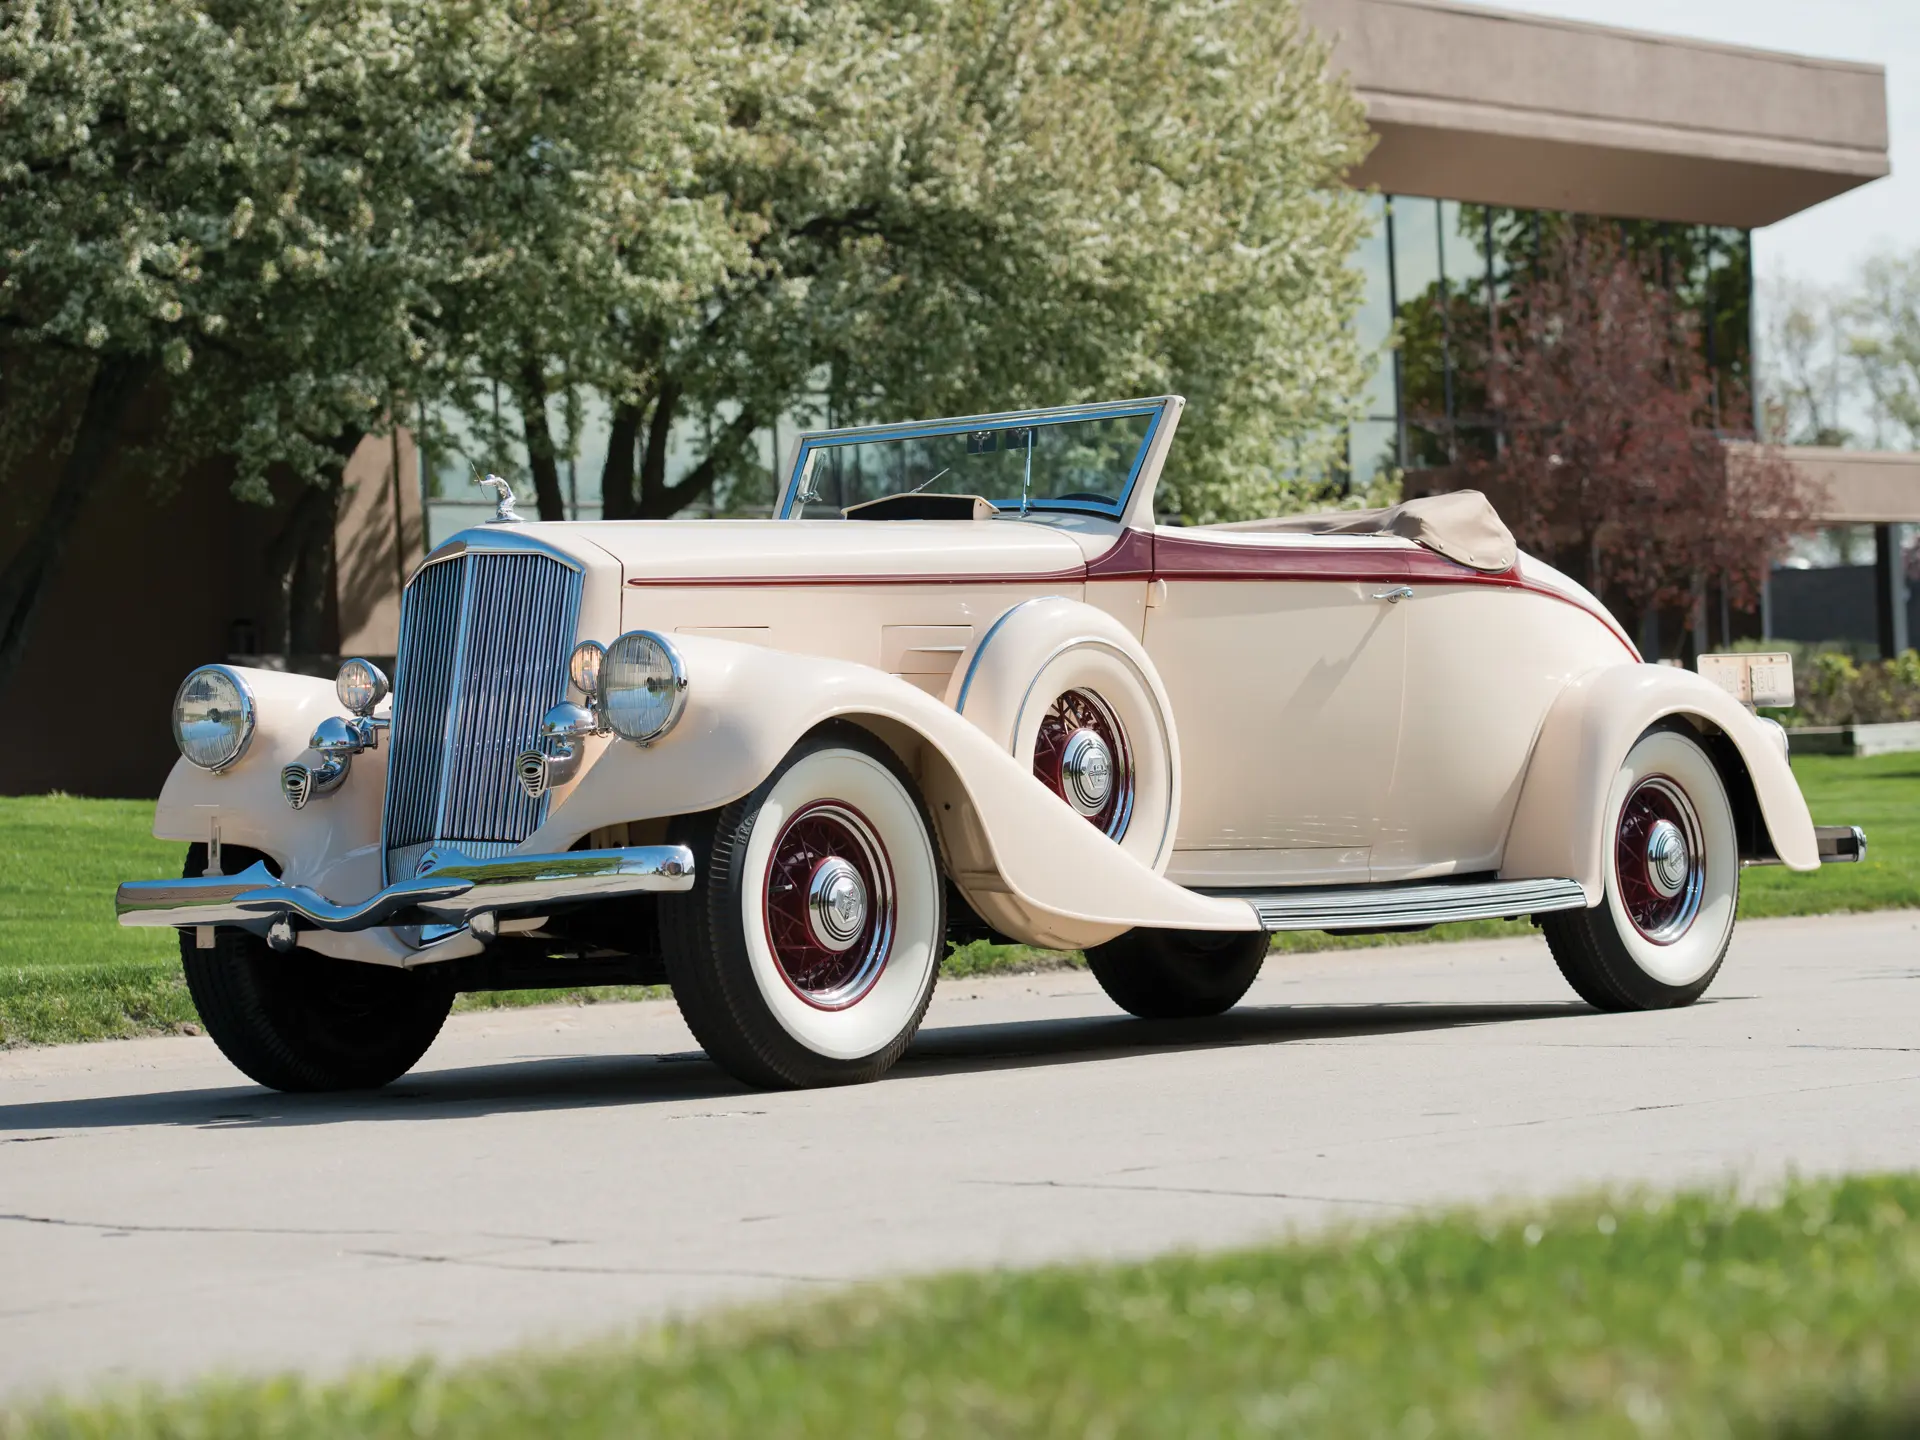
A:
1691, 1316
67, 972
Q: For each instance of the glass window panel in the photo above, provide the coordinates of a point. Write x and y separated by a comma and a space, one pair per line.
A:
1068, 464
1370, 450
1374, 322
1416, 247
1423, 375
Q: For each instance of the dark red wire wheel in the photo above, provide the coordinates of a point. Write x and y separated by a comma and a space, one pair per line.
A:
1657, 860
829, 904
1081, 754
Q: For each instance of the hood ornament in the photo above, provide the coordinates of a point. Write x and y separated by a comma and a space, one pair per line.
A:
504, 514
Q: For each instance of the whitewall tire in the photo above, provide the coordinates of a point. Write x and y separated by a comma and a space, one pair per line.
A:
1671, 859
807, 951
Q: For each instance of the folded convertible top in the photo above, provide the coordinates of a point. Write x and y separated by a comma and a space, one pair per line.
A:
1460, 525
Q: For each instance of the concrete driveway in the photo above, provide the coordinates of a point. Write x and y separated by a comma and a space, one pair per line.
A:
552, 1173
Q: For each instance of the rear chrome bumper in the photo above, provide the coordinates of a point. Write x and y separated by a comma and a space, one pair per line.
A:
1840, 844
452, 894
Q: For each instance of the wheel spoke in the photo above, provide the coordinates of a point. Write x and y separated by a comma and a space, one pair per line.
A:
1659, 860
829, 905
1081, 754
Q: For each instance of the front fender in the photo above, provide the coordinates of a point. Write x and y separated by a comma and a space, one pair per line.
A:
1561, 818
334, 843
1024, 859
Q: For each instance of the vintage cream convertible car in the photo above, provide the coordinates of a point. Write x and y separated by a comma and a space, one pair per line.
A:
962, 685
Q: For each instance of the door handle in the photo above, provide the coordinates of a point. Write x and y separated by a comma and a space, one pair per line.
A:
1396, 595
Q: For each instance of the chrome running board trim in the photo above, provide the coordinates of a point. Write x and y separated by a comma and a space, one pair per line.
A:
1408, 906
452, 893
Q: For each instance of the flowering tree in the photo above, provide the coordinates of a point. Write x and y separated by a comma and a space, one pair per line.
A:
1609, 462
977, 204
257, 229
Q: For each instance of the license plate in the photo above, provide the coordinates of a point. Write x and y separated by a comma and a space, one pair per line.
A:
1753, 679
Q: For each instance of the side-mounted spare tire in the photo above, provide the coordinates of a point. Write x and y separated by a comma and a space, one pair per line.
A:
1072, 695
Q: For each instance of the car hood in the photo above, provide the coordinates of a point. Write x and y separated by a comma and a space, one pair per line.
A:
711, 552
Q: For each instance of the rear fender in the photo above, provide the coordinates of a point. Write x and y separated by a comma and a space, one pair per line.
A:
1031, 866
1561, 817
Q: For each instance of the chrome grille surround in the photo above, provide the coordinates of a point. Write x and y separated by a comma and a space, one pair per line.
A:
485, 631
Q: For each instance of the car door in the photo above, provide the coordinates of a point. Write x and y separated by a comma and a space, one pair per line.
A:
1486, 658
1284, 655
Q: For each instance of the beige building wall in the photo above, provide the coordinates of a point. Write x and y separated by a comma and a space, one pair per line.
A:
378, 538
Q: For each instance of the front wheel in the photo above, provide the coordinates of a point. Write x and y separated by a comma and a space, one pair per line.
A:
1672, 873
1178, 974
303, 1021
807, 951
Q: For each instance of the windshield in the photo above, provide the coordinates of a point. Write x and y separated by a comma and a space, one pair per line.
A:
1082, 459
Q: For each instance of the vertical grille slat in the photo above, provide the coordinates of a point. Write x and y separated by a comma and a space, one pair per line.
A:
484, 640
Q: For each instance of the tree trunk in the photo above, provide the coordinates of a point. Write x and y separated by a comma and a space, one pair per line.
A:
652, 503
116, 384
657, 499
302, 562
541, 457
616, 476
303, 546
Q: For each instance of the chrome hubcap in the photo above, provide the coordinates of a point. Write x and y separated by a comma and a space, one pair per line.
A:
1081, 755
1667, 860
1086, 772
830, 903
1659, 860
836, 904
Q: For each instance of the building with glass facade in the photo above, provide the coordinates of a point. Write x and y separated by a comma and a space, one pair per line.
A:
1488, 126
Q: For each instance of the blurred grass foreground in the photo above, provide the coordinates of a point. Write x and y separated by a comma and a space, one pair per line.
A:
1695, 1316
68, 972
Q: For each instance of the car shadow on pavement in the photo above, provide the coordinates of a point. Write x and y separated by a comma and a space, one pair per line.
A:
960, 1049
536, 1082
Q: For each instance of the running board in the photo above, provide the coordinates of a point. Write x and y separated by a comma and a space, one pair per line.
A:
1395, 907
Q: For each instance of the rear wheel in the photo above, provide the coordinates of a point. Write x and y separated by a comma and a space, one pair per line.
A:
1672, 874
307, 1022
807, 951
1178, 974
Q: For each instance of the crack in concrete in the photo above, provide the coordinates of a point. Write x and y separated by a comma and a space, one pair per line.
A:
1581, 1117
1194, 1190
293, 1230
691, 1272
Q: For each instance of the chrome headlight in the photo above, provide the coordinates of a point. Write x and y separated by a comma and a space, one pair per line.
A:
643, 686
583, 667
213, 717
360, 685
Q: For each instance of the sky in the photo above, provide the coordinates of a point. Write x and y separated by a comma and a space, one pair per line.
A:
1823, 245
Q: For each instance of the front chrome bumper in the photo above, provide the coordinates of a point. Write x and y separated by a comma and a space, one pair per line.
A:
452, 894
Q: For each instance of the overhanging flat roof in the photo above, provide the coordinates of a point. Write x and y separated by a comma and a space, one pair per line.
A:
1860, 487
1504, 109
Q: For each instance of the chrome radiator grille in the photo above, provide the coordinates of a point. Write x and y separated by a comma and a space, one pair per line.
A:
484, 639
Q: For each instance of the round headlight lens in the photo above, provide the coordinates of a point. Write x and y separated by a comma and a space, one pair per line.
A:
361, 685
643, 686
583, 666
213, 717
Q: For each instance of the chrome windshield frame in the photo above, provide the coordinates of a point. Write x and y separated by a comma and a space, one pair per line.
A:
1155, 406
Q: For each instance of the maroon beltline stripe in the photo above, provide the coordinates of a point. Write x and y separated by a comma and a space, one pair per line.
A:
807, 582
1141, 555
